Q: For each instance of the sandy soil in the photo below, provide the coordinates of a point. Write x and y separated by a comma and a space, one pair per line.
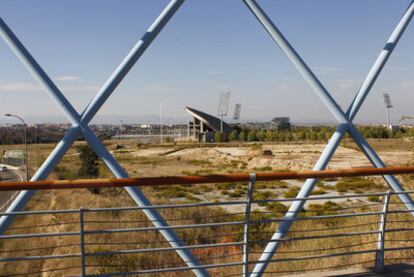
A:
291, 156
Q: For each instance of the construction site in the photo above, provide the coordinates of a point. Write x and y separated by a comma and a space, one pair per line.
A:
204, 193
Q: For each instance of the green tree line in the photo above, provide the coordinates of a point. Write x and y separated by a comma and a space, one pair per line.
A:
314, 133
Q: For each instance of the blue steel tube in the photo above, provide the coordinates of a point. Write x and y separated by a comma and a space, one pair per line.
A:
334, 142
34, 68
377, 162
123, 69
380, 62
296, 60
142, 201
137, 195
24, 196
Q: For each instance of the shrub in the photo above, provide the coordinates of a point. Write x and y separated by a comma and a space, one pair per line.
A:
326, 208
233, 135
277, 207
374, 198
252, 136
263, 168
356, 184
318, 191
89, 167
219, 137
292, 192
243, 136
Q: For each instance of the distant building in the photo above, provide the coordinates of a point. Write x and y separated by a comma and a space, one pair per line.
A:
13, 157
394, 127
203, 126
280, 123
276, 123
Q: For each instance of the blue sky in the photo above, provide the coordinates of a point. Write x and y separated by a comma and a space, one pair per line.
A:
209, 46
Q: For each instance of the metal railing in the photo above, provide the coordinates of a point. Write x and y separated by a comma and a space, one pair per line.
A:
226, 236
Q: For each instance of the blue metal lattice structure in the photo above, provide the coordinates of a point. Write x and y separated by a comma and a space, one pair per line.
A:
80, 125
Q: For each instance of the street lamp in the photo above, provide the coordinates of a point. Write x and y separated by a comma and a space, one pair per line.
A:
25, 141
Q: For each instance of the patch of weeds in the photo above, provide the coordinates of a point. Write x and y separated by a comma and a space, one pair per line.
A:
318, 192
321, 185
172, 192
277, 207
322, 209
358, 185
373, 198
192, 198
255, 146
228, 186
282, 185
292, 192
263, 168
263, 195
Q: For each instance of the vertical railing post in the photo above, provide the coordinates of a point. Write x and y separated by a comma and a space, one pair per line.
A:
82, 240
247, 225
379, 258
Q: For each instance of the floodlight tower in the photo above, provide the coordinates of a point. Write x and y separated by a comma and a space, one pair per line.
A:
236, 115
388, 106
223, 107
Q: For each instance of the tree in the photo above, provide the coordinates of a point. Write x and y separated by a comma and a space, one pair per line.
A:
219, 137
243, 136
252, 136
89, 167
233, 135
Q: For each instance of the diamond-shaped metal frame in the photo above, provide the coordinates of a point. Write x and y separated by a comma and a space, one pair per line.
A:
80, 125
344, 120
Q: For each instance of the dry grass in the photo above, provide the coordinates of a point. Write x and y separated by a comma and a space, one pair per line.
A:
170, 165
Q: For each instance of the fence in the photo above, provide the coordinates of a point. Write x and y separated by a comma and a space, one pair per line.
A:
333, 231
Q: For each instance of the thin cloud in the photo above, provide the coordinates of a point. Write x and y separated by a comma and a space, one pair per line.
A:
286, 86
33, 87
158, 88
18, 86
66, 78
346, 84
409, 84
212, 72
331, 71
85, 88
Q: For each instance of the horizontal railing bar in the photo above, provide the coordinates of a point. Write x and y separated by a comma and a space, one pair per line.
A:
39, 235
313, 198
45, 257
320, 237
135, 251
321, 256
399, 230
205, 179
223, 224
399, 248
42, 212
171, 206
231, 264
161, 270
174, 227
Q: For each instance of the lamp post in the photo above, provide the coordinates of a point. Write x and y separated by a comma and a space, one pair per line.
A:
25, 142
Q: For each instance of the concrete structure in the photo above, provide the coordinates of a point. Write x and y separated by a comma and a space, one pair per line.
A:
13, 157
280, 123
203, 126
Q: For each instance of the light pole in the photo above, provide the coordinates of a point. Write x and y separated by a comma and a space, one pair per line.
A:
25, 142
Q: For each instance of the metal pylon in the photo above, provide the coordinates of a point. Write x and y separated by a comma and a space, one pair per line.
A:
80, 127
344, 121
